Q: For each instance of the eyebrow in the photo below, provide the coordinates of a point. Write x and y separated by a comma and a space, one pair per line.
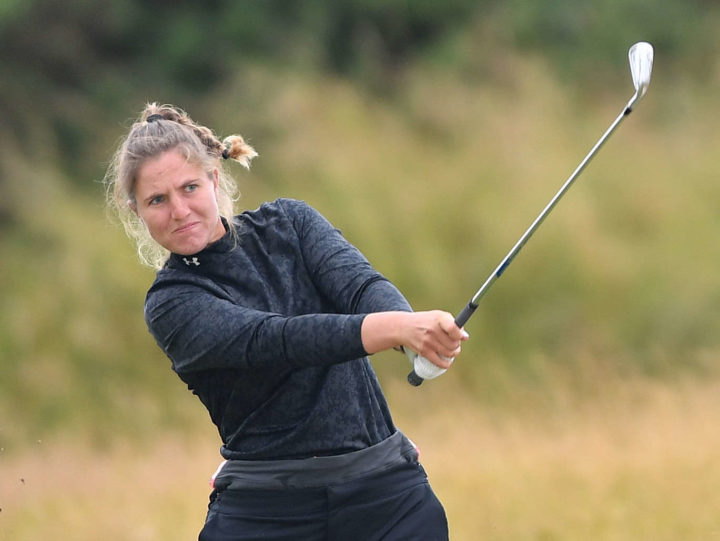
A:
183, 185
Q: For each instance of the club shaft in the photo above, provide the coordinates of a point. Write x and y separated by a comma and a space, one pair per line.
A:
472, 305
469, 309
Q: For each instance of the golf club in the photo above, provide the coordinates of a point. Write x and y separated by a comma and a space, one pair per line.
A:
641, 61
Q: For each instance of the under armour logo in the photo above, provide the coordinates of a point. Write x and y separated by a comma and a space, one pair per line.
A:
193, 261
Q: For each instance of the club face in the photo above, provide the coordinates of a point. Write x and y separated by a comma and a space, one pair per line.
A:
641, 62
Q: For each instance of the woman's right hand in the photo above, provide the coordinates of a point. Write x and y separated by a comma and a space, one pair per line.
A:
434, 335
431, 334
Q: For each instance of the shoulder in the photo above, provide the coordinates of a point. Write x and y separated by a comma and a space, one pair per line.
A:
171, 285
286, 206
295, 211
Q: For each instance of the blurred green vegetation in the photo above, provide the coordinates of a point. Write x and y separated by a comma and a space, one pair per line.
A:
432, 133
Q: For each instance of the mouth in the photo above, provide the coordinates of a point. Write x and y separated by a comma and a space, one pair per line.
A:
185, 228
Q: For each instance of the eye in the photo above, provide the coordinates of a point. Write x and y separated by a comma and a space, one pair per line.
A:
191, 188
156, 200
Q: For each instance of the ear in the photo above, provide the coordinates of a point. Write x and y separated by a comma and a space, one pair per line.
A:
133, 206
216, 180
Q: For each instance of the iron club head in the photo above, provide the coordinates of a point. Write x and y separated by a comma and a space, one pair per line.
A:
641, 62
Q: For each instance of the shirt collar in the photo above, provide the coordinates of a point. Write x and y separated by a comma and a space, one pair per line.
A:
205, 256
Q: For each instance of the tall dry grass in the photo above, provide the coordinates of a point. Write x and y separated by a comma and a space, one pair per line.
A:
637, 460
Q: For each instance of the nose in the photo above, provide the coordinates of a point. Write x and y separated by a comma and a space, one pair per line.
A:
178, 208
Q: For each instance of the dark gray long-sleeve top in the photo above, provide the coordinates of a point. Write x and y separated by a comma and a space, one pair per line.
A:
265, 330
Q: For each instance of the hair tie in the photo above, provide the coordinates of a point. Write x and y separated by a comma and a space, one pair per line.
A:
225, 154
154, 117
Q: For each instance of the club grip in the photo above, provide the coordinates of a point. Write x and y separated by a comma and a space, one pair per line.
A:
463, 316
414, 379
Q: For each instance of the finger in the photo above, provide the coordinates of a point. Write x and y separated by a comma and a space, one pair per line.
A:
440, 360
450, 354
448, 326
440, 335
456, 333
447, 345
442, 348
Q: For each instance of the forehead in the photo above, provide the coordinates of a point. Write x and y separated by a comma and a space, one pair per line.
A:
166, 169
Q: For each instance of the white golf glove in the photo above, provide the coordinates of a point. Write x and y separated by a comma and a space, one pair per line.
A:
424, 368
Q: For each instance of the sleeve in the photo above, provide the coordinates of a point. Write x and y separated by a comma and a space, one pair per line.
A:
339, 270
217, 333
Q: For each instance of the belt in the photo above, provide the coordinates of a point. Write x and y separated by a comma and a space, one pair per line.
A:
317, 471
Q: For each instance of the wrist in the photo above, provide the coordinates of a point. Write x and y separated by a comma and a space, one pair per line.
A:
381, 331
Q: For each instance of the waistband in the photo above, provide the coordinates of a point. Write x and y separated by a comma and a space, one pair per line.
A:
318, 471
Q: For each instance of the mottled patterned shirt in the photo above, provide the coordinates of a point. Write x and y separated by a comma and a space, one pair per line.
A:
264, 327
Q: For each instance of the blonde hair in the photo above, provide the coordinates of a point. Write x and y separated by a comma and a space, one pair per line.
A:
158, 129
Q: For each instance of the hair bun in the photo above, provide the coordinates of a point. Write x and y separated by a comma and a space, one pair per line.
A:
237, 149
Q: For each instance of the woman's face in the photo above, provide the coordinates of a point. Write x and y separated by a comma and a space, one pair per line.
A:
177, 201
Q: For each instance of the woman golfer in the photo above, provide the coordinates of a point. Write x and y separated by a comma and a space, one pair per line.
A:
268, 317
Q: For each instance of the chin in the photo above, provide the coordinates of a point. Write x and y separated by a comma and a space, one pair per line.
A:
186, 248
189, 245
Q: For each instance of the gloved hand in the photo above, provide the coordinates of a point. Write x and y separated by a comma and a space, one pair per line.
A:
422, 368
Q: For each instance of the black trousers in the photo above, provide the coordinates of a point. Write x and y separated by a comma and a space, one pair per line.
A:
395, 505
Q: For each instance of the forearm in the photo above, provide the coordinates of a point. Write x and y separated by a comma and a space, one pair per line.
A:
219, 334
383, 330
432, 334
387, 311
314, 340
380, 295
